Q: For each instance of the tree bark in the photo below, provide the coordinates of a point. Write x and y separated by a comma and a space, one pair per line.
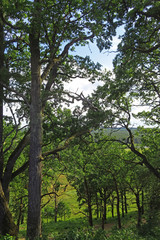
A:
7, 176
142, 156
139, 210
34, 187
142, 202
55, 208
1, 97
122, 202
125, 202
7, 226
97, 206
20, 213
112, 206
89, 203
118, 203
105, 205
6, 221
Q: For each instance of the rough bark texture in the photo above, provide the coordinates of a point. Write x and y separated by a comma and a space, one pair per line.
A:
34, 188
1, 94
6, 221
7, 177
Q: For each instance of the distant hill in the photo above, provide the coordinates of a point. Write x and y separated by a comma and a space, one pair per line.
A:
122, 134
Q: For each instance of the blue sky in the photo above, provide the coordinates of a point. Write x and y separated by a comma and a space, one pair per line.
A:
105, 58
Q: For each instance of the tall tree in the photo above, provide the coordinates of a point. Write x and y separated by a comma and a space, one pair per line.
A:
45, 32
34, 188
137, 64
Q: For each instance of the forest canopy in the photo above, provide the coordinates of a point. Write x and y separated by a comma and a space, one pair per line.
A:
38, 42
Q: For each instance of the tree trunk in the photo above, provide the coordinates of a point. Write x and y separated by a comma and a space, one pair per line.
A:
125, 202
122, 202
112, 206
55, 207
97, 206
34, 187
142, 202
105, 206
7, 225
139, 210
1, 93
90, 213
88, 203
118, 203
20, 213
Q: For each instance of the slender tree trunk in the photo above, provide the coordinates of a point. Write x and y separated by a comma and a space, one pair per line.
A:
118, 203
142, 202
122, 202
139, 210
112, 206
105, 206
90, 213
97, 206
125, 202
55, 207
34, 187
88, 203
101, 209
19, 215
103, 222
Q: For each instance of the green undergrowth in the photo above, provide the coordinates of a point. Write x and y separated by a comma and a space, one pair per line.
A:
78, 229
92, 234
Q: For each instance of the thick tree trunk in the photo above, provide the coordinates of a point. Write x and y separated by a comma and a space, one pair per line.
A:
34, 188
6, 222
1, 94
7, 225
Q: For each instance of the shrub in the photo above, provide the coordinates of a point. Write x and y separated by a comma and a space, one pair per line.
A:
7, 237
89, 234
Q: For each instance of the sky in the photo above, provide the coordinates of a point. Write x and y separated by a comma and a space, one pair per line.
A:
105, 58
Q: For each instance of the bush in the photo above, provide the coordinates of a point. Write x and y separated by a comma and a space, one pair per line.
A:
124, 234
6, 237
83, 235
